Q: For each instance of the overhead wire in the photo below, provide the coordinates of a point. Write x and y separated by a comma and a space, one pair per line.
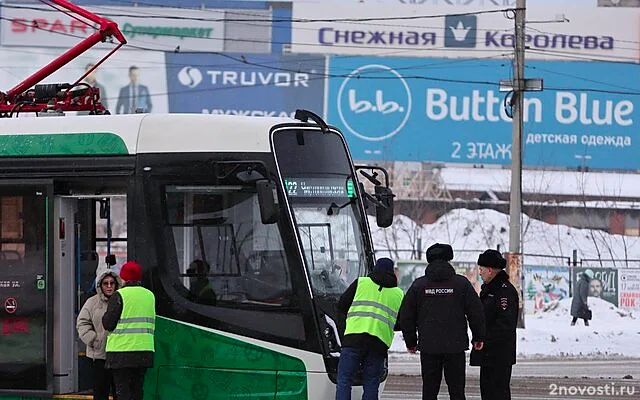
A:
391, 50
567, 75
585, 56
292, 20
243, 60
361, 47
569, 33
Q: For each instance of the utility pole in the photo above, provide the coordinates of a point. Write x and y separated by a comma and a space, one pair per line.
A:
517, 87
515, 201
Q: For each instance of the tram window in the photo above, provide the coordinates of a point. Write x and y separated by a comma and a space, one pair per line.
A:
116, 242
226, 256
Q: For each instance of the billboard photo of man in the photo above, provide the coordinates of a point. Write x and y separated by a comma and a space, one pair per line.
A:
134, 97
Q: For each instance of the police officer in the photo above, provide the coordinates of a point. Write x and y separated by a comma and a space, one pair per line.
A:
438, 305
501, 307
130, 320
371, 305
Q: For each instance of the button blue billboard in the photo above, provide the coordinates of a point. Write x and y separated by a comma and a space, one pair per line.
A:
450, 111
256, 85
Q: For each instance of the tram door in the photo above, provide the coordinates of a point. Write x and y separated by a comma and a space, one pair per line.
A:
25, 288
65, 293
75, 263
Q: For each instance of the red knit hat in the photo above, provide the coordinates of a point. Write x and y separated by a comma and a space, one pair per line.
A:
131, 271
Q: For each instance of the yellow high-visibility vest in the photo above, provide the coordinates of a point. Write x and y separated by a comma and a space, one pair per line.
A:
374, 311
136, 326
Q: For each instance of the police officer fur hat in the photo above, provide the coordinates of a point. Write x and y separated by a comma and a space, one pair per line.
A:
439, 251
492, 259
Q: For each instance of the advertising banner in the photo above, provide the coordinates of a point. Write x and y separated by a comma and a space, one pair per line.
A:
444, 110
113, 78
604, 284
470, 271
154, 28
629, 289
558, 32
259, 85
545, 286
473, 4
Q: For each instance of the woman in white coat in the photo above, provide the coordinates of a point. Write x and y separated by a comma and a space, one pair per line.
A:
92, 333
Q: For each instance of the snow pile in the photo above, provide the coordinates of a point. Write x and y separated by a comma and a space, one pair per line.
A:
612, 331
473, 231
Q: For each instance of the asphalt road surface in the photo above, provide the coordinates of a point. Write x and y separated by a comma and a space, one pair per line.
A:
533, 380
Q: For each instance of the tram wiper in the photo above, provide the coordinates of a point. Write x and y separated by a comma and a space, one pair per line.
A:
334, 209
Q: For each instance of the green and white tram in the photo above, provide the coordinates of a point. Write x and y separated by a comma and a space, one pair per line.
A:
266, 215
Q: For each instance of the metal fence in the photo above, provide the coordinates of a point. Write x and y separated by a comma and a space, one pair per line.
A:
470, 255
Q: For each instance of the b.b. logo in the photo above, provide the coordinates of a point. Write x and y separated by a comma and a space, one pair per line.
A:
374, 102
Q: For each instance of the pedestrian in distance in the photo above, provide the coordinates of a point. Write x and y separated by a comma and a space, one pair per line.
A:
501, 308
438, 306
371, 306
94, 336
579, 304
130, 320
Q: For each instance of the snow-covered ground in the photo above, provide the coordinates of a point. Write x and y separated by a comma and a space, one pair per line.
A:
612, 332
473, 231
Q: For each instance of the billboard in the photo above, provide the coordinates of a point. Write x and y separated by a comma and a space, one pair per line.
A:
562, 32
544, 287
450, 111
154, 28
604, 285
629, 289
259, 85
113, 78
469, 4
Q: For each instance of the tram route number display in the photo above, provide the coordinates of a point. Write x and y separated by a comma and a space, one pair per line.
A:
319, 187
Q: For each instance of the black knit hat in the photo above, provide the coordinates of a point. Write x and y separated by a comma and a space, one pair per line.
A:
492, 259
440, 251
384, 265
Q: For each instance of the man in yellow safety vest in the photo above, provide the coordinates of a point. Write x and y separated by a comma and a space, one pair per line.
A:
130, 320
371, 305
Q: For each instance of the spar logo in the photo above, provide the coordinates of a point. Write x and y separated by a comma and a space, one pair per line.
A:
374, 102
190, 77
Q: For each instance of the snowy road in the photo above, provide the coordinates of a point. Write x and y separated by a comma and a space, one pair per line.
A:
526, 388
410, 365
533, 379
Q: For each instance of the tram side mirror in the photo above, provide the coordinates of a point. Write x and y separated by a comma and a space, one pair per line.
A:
268, 201
384, 206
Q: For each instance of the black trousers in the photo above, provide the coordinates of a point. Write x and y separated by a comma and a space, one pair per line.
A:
454, 366
129, 382
495, 382
102, 381
575, 319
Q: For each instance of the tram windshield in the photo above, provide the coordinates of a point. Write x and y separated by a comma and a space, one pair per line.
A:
321, 191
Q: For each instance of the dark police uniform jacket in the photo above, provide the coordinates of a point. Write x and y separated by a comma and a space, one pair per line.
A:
438, 305
501, 308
